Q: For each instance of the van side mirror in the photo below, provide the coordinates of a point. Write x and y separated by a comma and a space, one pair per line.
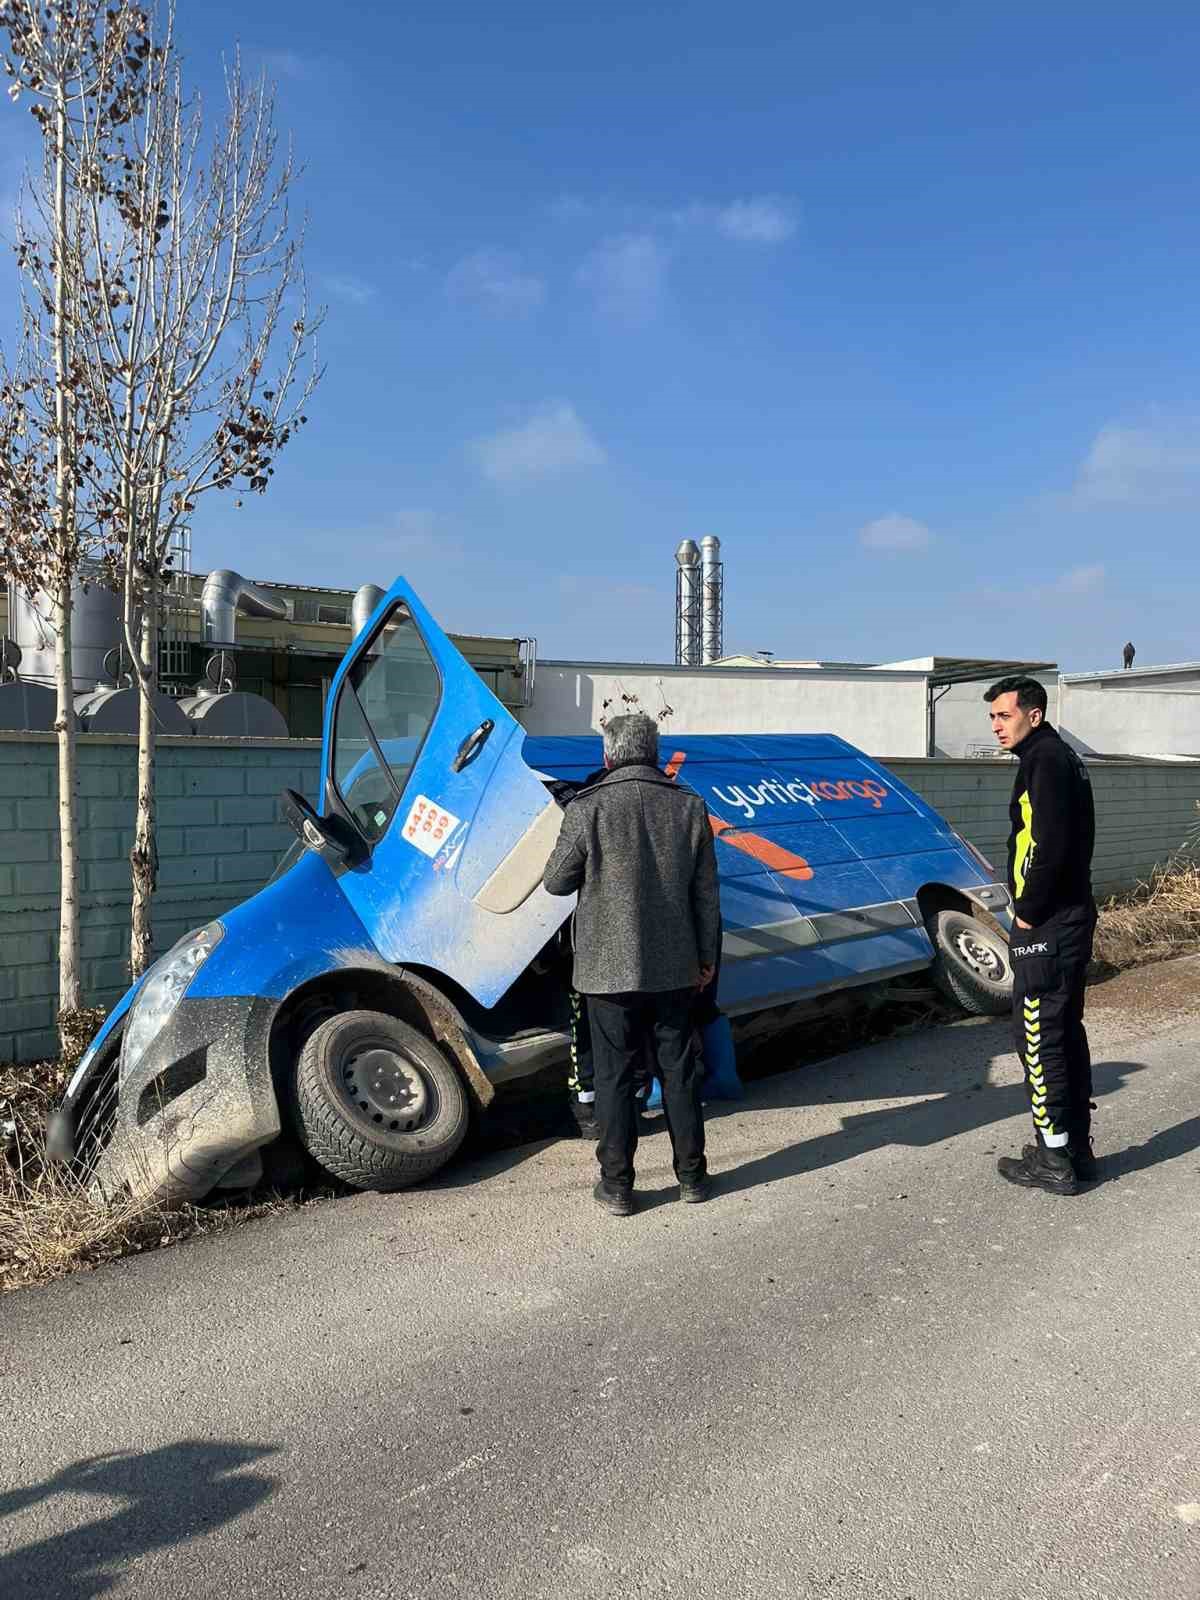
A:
316, 833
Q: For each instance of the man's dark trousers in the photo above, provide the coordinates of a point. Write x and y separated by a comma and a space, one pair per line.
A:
1050, 965
622, 1024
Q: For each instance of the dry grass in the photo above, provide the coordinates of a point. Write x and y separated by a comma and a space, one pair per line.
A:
50, 1225
1159, 919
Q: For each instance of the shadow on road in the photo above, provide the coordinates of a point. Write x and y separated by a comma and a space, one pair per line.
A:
1165, 1145
926, 1122
950, 1095
947, 1081
173, 1494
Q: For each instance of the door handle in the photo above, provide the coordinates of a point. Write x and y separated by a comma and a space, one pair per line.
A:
472, 745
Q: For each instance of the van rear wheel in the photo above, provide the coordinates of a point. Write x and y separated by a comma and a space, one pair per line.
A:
971, 964
377, 1103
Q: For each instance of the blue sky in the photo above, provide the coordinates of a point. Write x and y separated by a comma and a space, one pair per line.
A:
897, 300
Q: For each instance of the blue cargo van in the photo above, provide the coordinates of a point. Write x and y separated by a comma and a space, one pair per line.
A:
405, 958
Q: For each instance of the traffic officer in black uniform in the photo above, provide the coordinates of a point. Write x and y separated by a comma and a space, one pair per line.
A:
1050, 878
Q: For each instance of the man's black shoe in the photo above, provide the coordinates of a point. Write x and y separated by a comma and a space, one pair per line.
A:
695, 1193
619, 1202
1040, 1168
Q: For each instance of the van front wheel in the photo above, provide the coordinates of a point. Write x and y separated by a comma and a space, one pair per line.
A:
971, 963
377, 1104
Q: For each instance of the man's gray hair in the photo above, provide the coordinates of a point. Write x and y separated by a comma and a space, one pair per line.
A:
632, 738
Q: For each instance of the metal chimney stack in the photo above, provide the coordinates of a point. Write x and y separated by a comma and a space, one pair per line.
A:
688, 640
712, 598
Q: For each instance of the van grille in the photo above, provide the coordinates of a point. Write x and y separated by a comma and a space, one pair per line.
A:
96, 1117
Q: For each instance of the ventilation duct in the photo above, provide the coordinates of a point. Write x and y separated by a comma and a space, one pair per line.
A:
688, 637
224, 594
362, 608
712, 582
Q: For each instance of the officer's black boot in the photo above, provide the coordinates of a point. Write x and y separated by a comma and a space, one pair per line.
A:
1079, 1144
1083, 1157
1040, 1168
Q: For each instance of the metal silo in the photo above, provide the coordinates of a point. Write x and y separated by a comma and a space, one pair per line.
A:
95, 628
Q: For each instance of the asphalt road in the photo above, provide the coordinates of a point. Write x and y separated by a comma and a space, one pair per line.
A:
868, 1368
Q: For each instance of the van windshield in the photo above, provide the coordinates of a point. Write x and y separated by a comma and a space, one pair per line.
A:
385, 707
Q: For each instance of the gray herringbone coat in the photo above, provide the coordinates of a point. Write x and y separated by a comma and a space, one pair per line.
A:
639, 850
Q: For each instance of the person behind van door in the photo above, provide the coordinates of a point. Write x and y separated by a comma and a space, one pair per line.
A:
581, 1083
638, 849
1049, 875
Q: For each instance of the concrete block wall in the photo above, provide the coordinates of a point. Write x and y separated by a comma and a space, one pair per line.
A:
219, 838
1144, 809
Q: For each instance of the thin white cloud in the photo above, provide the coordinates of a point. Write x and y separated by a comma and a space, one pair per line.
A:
1141, 465
1081, 580
291, 65
896, 534
416, 528
761, 219
347, 288
571, 208
417, 535
627, 275
553, 441
496, 280
626, 593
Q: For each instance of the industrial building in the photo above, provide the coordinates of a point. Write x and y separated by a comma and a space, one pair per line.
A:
1138, 711
278, 644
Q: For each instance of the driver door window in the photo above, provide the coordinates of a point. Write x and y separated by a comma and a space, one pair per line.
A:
387, 703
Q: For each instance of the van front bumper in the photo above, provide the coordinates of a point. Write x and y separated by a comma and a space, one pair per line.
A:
198, 1104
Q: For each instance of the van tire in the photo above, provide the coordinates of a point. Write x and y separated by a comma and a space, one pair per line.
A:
377, 1103
971, 963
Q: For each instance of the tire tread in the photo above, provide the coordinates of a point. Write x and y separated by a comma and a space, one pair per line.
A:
336, 1145
955, 982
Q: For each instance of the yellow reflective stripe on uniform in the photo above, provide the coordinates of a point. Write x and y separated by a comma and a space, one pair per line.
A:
576, 1015
1025, 846
1033, 1025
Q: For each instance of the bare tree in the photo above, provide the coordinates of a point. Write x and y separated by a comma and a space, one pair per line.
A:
199, 351
81, 63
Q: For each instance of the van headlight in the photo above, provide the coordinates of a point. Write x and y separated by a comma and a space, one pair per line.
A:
165, 986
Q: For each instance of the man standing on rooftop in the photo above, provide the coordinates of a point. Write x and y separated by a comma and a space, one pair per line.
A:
1049, 876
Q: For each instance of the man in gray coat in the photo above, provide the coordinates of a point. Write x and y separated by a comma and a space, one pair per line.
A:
639, 850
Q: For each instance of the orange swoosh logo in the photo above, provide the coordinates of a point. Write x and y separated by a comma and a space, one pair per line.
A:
768, 854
